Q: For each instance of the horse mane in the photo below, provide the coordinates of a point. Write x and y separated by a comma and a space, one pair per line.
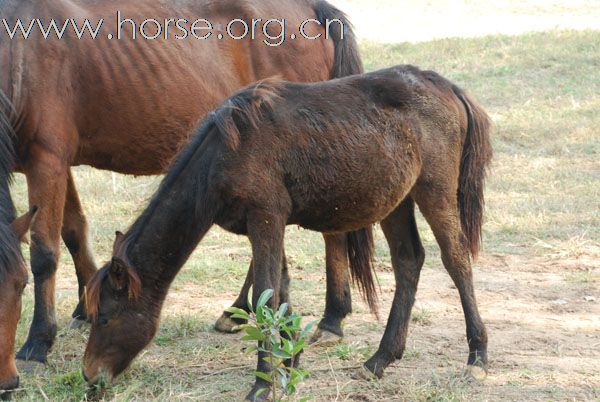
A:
10, 253
245, 108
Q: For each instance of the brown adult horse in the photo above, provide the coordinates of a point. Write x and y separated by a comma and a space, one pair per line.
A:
13, 274
128, 105
331, 157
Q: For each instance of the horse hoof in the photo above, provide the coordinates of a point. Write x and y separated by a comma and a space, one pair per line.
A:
227, 325
258, 394
322, 337
477, 373
30, 367
77, 323
364, 374
34, 351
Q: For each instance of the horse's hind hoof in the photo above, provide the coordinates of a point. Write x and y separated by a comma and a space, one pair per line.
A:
364, 374
227, 325
77, 323
322, 337
477, 373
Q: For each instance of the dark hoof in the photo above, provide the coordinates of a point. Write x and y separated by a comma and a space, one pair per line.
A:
34, 351
227, 325
323, 337
259, 393
77, 323
30, 367
5, 395
376, 366
477, 373
363, 374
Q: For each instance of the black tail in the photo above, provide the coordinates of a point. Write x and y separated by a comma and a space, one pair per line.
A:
347, 59
476, 157
360, 255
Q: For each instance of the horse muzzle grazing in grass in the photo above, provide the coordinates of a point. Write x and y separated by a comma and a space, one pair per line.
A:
331, 157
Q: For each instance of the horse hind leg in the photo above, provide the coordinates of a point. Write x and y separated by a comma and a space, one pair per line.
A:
443, 217
225, 323
408, 255
75, 236
338, 300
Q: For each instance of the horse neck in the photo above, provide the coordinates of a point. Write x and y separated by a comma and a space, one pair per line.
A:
179, 215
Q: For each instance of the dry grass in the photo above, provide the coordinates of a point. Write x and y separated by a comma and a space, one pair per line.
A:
541, 257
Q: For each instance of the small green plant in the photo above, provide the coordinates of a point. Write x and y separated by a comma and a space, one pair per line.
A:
281, 337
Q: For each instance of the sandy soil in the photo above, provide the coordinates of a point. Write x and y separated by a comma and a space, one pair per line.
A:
543, 320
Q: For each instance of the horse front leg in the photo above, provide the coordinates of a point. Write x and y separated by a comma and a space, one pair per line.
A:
46, 174
75, 237
266, 232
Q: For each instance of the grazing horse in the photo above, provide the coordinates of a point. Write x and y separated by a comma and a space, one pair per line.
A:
331, 157
129, 105
13, 274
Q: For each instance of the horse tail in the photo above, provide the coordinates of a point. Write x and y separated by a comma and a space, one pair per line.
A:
346, 58
360, 254
476, 157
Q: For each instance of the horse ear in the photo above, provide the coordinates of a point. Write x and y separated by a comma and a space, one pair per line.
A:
22, 224
122, 276
119, 239
117, 274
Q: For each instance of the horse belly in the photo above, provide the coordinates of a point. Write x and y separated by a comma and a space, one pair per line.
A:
355, 201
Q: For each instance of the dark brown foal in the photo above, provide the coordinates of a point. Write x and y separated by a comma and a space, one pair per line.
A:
331, 157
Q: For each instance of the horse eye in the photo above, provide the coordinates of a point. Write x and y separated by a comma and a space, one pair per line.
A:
102, 321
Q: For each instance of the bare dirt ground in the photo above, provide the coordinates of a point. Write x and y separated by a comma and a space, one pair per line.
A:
543, 320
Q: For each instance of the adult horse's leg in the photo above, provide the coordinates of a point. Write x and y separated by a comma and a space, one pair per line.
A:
407, 253
266, 232
443, 216
46, 174
338, 300
75, 237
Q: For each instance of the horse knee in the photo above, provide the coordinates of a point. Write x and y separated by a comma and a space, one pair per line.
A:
43, 260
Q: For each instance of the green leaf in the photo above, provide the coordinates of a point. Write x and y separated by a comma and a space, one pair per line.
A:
253, 334
249, 298
298, 347
282, 309
281, 354
264, 298
264, 376
251, 349
237, 311
307, 329
288, 346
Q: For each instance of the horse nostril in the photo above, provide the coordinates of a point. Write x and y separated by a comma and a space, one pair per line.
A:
84, 376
